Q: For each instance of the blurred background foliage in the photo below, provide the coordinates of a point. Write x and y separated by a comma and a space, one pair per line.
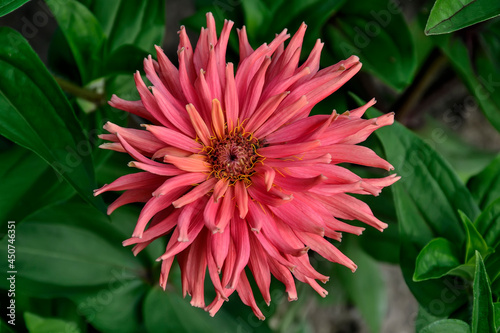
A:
436, 64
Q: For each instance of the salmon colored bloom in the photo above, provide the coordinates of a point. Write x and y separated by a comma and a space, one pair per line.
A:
234, 170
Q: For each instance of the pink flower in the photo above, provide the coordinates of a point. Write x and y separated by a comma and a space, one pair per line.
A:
235, 171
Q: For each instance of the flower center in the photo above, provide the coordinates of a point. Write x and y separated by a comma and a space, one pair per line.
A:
233, 156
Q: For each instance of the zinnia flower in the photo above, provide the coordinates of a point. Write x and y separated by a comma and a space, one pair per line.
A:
235, 171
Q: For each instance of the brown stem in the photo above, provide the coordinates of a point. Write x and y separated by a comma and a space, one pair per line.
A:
80, 92
421, 86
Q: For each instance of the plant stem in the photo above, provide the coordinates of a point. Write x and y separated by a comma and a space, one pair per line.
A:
80, 92
419, 88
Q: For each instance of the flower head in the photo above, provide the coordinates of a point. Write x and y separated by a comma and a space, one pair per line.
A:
235, 171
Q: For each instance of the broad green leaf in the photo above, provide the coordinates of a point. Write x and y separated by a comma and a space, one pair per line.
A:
140, 23
379, 35
125, 60
382, 246
7, 6
315, 13
71, 245
465, 271
366, 288
425, 319
28, 184
37, 324
478, 74
6, 327
447, 326
485, 186
474, 241
466, 159
449, 15
256, 15
163, 309
483, 312
497, 314
83, 34
427, 199
60, 58
114, 308
435, 260
488, 224
44, 122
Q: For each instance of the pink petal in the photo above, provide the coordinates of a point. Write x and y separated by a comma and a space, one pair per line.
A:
195, 193
162, 170
153, 206
231, 99
264, 111
245, 292
132, 181
241, 195
199, 125
178, 118
260, 268
174, 138
283, 274
138, 139
326, 249
134, 107
278, 151
239, 234
220, 189
130, 196
280, 117
187, 179
190, 164
169, 74
217, 119
255, 86
220, 246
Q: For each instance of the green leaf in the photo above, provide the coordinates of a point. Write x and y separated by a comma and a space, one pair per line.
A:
465, 158
167, 309
256, 15
483, 312
485, 186
6, 327
435, 260
83, 34
114, 308
44, 122
497, 314
315, 13
488, 224
447, 326
70, 246
140, 23
427, 199
474, 241
125, 60
37, 324
449, 15
28, 184
366, 288
424, 319
478, 74
382, 246
7, 6
380, 36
